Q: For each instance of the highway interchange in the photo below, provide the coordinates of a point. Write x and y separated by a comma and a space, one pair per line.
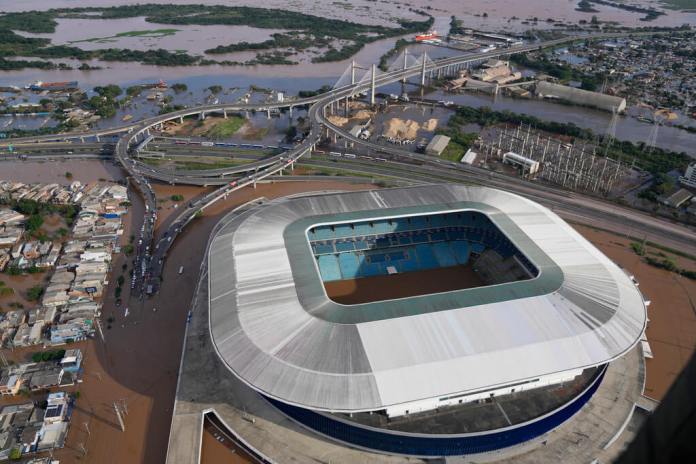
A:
376, 160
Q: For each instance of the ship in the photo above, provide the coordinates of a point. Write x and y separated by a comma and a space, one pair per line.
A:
157, 85
428, 36
53, 86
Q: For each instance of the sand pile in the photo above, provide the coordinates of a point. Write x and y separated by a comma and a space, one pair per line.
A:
338, 120
430, 125
363, 114
398, 128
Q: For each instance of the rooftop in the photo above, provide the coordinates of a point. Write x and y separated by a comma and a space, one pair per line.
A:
275, 328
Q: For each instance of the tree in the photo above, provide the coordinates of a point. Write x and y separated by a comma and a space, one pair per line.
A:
34, 293
34, 222
179, 87
68, 175
177, 197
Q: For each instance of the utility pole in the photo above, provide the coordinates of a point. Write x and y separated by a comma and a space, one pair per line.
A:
405, 63
372, 86
120, 418
101, 332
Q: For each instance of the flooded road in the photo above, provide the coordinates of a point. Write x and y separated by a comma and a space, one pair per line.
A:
53, 172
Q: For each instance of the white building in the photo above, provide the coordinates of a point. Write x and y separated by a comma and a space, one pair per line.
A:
689, 177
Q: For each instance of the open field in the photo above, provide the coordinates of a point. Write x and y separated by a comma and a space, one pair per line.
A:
157, 33
226, 127
388, 287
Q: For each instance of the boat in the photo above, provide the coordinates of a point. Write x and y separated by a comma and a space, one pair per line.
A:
157, 85
430, 35
53, 86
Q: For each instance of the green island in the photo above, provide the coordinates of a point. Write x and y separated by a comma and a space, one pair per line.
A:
143, 33
650, 13
680, 4
303, 31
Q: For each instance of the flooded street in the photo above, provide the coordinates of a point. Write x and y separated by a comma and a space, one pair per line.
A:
53, 172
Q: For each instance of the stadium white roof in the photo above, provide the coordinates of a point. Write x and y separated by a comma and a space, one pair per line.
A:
274, 327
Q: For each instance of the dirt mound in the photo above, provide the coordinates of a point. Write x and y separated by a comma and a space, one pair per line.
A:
363, 114
338, 120
430, 125
402, 129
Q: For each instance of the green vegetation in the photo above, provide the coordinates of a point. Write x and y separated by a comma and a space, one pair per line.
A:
16, 453
144, 33
5, 290
170, 108
656, 161
128, 249
45, 356
586, 7
638, 248
661, 184
177, 197
215, 89
134, 90
105, 103
29, 21
179, 87
197, 165
663, 262
226, 127
559, 71
650, 13
384, 59
680, 4
313, 93
34, 222
460, 142
34, 293
68, 175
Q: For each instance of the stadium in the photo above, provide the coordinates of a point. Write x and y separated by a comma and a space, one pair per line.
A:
405, 320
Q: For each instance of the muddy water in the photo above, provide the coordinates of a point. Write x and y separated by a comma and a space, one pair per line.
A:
53, 172
499, 11
83, 32
197, 38
627, 128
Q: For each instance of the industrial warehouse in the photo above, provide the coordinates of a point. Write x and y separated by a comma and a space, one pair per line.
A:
538, 319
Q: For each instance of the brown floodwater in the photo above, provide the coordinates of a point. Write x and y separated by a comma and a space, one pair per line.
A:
53, 172
503, 16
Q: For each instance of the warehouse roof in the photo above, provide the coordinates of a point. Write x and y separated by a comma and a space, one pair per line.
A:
275, 328
582, 97
437, 144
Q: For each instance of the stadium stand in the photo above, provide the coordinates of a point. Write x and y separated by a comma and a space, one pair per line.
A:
408, 244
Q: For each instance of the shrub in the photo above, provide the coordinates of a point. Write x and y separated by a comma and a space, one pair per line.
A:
34, 293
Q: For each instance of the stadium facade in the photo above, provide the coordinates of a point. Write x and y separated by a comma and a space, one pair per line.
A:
539, 315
